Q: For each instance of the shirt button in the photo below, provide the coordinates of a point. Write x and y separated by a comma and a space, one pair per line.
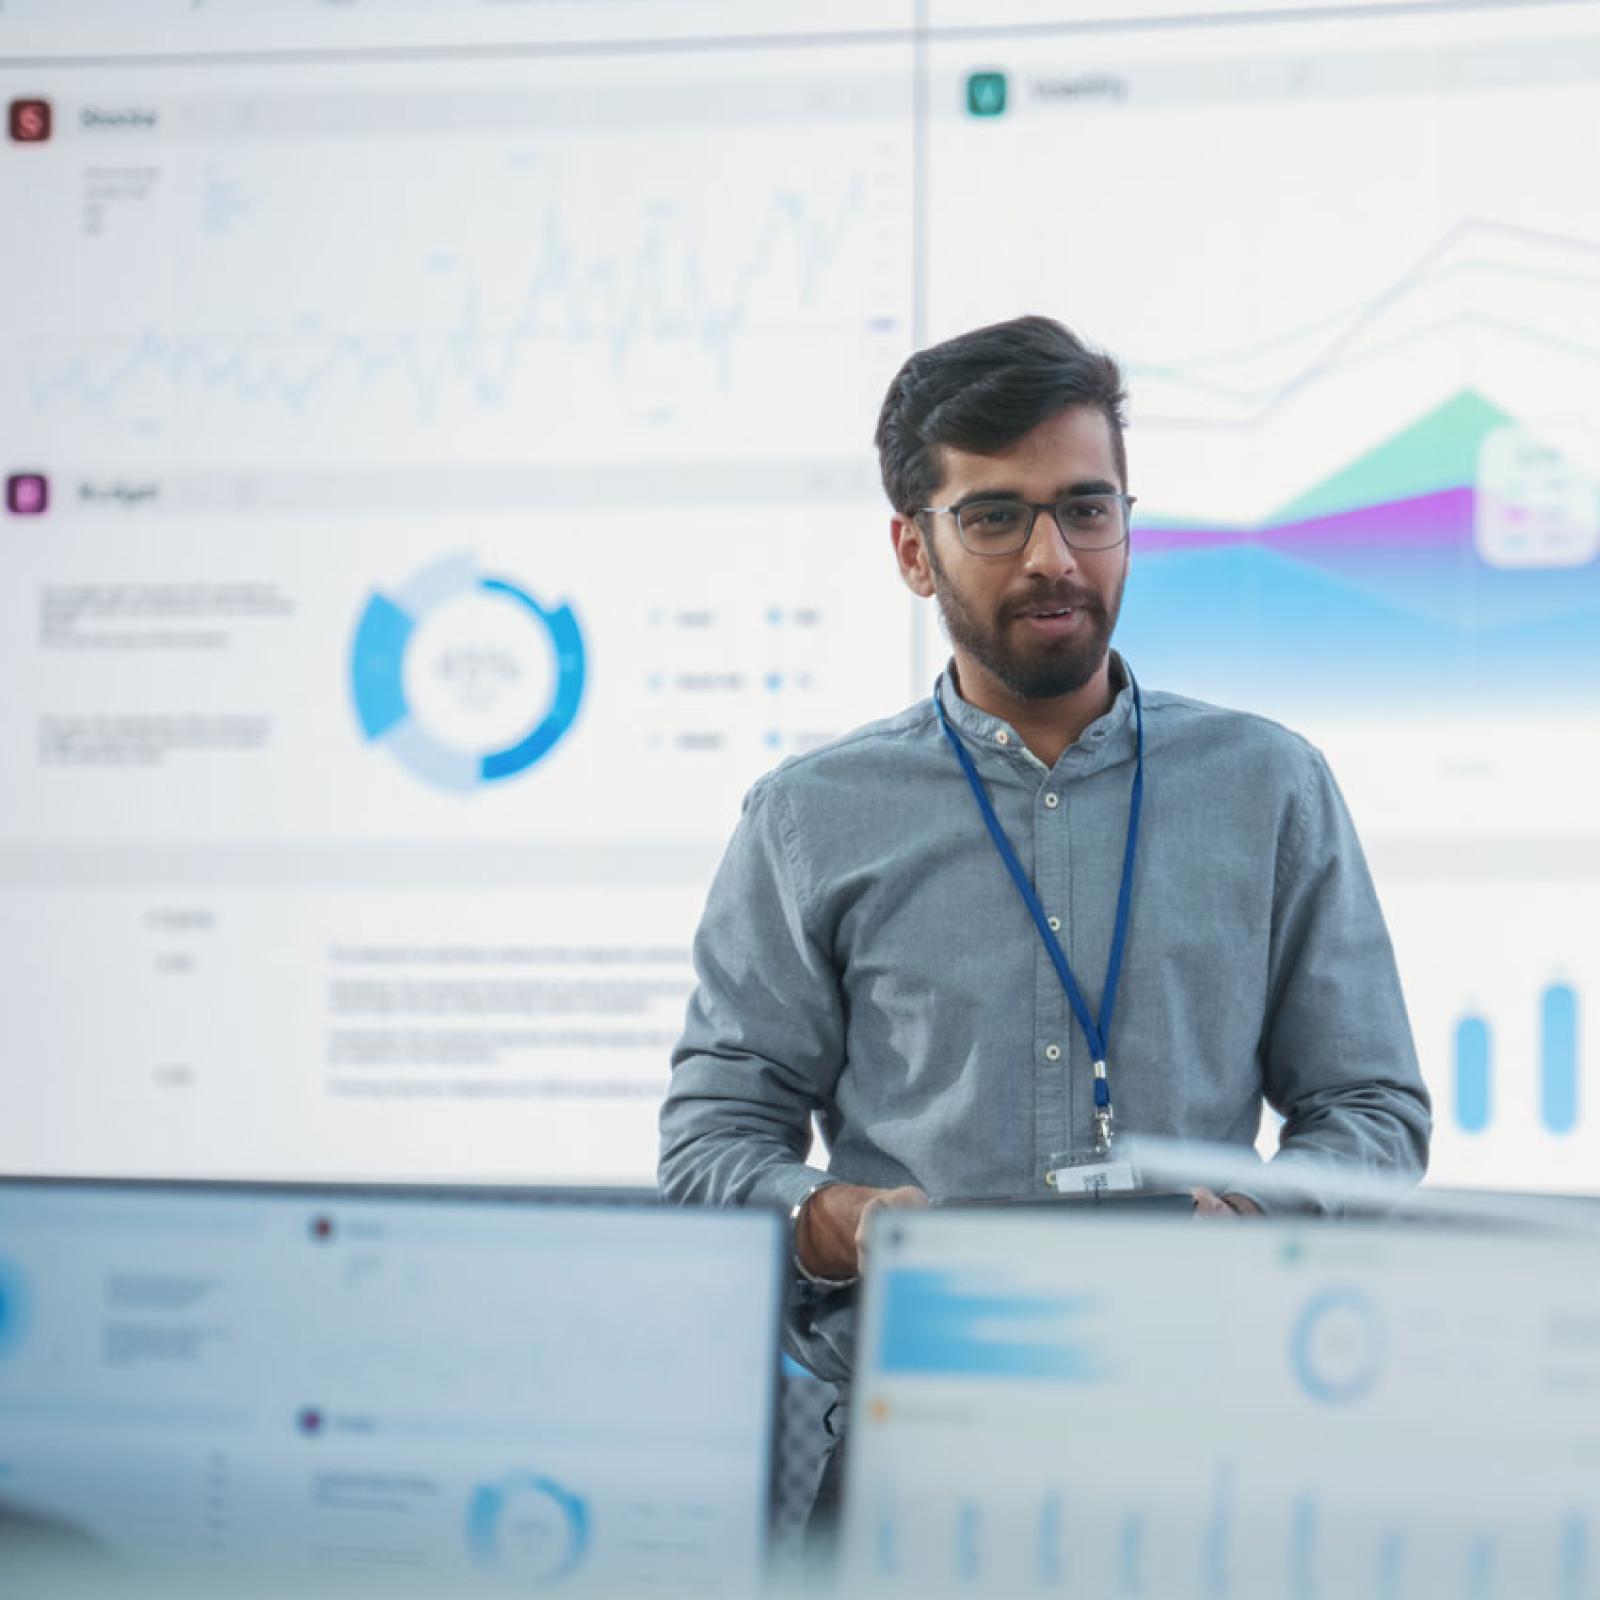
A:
1055, 924
1052, 800
1052, 1052
1002, 737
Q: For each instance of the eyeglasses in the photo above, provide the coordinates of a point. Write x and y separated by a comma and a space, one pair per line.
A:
1002, 525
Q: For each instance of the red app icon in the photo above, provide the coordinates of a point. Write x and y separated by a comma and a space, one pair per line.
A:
30, 121
27, 494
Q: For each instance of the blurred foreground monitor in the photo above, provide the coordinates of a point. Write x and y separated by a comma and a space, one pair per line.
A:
1158, 1408
301, 1391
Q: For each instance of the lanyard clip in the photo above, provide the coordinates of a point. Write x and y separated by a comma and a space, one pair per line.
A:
1102, 1110
1102, 1131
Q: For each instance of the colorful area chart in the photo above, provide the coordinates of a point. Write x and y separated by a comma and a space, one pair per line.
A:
1454, 566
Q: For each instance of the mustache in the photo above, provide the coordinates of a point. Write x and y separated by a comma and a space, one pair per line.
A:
1052, 597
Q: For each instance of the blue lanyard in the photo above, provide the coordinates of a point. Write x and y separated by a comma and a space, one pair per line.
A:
1096, 1030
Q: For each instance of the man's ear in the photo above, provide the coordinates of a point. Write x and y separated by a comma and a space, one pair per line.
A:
911, 552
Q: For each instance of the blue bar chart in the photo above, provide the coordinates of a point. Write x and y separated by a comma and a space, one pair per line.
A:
943, 1324
1500, 980
1558, 1087
1252, 1538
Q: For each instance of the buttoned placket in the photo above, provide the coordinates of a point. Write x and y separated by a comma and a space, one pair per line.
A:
1056, 1046
1078, 771
1042, 846
1060, 1059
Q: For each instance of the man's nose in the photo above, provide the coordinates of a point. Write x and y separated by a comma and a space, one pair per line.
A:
1048, 552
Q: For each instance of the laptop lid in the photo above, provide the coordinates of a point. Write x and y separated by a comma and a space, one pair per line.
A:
1132, 1407
457, 1390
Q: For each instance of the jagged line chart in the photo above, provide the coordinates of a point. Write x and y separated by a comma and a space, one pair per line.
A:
605, 306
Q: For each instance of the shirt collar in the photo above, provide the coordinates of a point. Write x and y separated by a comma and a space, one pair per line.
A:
1107, 739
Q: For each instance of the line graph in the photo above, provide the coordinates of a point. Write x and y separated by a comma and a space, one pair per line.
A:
1370, 330
609, 305
1194, 367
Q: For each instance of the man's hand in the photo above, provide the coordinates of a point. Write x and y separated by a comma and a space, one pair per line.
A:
1208, 1203
831, 1237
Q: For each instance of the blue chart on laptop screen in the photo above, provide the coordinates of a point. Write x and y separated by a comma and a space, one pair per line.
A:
466, 1394
1331, 1411
438, 481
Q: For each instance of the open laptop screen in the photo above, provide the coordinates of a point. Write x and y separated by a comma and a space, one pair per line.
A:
447, 1388
1131, 1407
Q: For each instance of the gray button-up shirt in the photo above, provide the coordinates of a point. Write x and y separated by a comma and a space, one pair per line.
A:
864, 955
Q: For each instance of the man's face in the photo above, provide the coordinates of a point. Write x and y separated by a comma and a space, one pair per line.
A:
1038, 622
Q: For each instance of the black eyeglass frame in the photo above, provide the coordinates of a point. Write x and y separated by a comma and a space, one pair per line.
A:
1127, 502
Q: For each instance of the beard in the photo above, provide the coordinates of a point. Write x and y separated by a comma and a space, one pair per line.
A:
1031, 668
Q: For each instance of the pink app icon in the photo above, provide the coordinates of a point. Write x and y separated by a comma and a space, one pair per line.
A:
27, 494
28, 121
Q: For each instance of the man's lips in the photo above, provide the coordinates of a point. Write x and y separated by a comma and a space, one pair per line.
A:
1053, 610
1053, 624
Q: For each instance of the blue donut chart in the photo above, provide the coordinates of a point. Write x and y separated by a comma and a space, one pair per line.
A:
377, 676
488, 1508
1337, 1389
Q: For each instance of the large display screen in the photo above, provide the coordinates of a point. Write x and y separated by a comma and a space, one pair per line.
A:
438, 475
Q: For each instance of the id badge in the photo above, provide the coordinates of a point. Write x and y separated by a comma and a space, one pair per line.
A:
1088, 1172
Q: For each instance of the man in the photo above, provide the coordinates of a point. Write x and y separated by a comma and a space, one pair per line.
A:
868, 954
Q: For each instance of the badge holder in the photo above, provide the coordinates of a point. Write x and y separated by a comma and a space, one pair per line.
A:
1090, 1172
1095, 1171
1097, 1178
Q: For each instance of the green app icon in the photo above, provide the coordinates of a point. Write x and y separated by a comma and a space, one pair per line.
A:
986, 93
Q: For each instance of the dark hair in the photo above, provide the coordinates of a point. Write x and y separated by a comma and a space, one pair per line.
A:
983, 391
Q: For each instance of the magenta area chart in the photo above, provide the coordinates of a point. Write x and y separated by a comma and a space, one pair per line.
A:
1451, 568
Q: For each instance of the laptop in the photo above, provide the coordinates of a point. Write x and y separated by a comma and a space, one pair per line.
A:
1173, 1408
451, 1391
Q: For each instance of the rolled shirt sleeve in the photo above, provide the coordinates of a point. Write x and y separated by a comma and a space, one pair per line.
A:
763, 1041
1338, 1061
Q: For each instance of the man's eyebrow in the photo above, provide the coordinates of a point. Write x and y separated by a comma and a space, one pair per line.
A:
1003, 492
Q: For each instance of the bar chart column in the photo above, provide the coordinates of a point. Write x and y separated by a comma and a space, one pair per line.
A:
1472, 1074
1558, 1058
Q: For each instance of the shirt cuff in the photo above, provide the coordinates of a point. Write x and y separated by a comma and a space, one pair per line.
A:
786, 1185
